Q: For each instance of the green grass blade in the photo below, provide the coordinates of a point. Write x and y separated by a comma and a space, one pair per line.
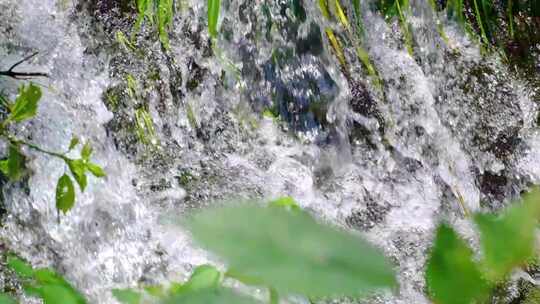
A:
213, 15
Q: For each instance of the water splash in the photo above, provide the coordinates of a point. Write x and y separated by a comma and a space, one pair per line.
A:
453, 133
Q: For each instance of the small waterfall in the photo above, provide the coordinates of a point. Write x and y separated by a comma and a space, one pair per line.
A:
266, 112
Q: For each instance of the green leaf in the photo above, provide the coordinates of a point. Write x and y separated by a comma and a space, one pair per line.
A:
291, 251
96, 170
142, 6
164, 15
274, 296
127, 296
16, 163
155, 290
286, 202
204, 276
78, 169
452, 276
54, 289
5, 299
210, 296
356, 5
20, 267
213, 15
26, 104
86, 151
508, 240
4, 167
65, 194
73, 143
54, 294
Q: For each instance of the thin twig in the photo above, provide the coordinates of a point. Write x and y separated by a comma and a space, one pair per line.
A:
22, 75
21, 61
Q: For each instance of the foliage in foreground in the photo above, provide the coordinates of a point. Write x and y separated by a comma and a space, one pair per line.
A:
282, 248
508, 241
43, 283
14, 167
285, 250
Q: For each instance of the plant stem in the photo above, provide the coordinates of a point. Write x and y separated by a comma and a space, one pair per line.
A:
480, 23
510, 18
405, 28
17, 141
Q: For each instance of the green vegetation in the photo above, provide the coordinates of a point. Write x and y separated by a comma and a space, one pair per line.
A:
42, 283
158, 13
283, 249
507, 242
214, 7
13, 167
291, 252
355, 40
145, 127
398, 9
288, 252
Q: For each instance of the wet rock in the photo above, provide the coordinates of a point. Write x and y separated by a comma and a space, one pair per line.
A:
312, 43
495, 187
196, 75
363, 103
302, 89
486, 112
368, 218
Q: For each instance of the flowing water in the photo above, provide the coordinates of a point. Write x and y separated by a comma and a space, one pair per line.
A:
454, 132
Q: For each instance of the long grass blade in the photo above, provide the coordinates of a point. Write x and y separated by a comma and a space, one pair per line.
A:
213, 15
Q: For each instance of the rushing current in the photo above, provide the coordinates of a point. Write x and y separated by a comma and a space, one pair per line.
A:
449, 132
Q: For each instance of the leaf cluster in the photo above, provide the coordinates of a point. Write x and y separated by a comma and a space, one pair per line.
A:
13, 167
158, 13
42, 283
507, 242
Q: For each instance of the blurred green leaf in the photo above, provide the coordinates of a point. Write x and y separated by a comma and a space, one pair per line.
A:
155, 290
26, 103
210, 296
452, 276
54, 289
508, 240
274, 296
127, 296
4, 167
96, 170
86, 151
5, 299
65, 194
73, 143
78, 169
16, 163
204, 276
292, 252
286, 202
214, 7
165, 18
55, 294
20, 267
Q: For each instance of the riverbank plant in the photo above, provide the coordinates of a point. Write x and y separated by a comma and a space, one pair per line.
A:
14, 166
158, 13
